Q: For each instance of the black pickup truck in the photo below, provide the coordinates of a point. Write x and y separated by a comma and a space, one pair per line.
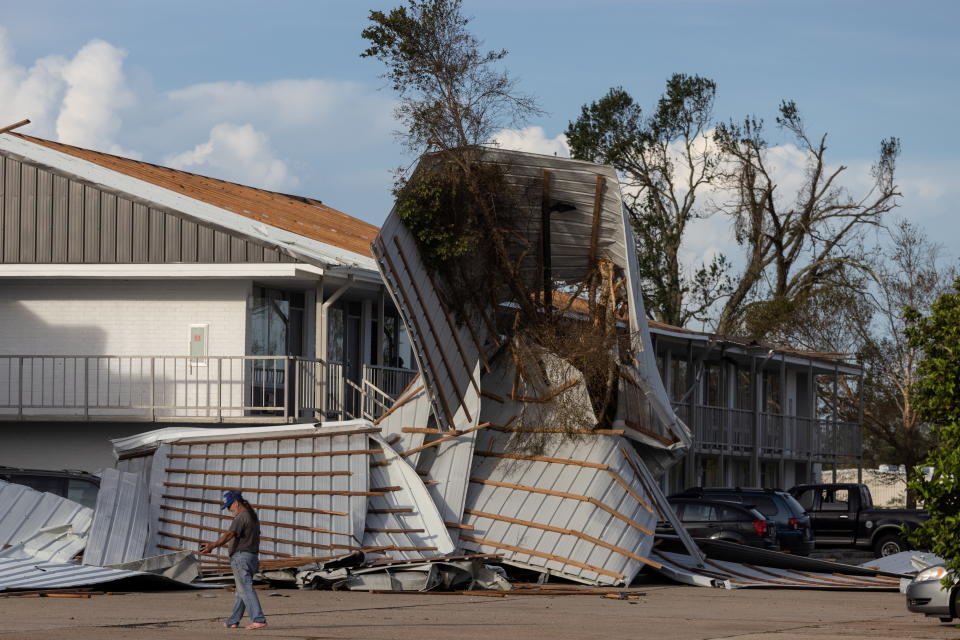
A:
843, 515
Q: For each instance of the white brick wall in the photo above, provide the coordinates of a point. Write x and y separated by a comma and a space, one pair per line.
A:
122, 318
117, 317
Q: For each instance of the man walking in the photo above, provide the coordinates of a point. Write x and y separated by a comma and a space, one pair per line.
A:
244, 539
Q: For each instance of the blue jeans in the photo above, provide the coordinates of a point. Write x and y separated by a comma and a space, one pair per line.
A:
244, 565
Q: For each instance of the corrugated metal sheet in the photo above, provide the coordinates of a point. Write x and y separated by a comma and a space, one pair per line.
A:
119, 530
309, 488
402, 520
447, 354
578, 510
309, 485
50, 217
735, 575
31, 573
41, 524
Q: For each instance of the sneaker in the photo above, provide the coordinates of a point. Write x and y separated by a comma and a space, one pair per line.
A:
255, 625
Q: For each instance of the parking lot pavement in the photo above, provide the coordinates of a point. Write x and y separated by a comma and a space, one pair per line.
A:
663, 612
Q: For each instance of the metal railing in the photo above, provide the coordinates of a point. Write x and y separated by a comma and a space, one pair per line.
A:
728, 430
193, 389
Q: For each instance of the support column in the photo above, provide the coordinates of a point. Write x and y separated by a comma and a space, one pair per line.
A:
783, 422
322, 314
757, 395
833, 419
381, 325
860, 427
814, 422
691, 465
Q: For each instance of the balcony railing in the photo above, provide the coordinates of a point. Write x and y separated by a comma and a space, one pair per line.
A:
728, 430
191, 389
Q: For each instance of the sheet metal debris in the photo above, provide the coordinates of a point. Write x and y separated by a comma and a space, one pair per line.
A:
119, 530
31, 573
41, 525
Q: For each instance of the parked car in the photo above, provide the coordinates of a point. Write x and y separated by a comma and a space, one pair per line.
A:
723, 521
794, 525
78, 486
926, 595
843, 514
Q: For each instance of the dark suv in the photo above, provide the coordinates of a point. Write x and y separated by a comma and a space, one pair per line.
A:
794, 526
79, 486
723, 521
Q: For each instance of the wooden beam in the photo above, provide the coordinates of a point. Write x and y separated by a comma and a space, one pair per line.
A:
399, 404
567, 532
279, 436
595, 230
258, 456
518, 456
569, 496
263, 522
260, 473
326, 512
15, 125
181, 485
442, 440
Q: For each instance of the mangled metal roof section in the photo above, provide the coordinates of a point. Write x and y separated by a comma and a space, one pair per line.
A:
569, 501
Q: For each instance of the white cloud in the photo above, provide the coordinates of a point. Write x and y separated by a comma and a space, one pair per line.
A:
238, 153
29, 93
533, 140
96, 93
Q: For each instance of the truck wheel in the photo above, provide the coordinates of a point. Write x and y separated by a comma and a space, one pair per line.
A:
888, 544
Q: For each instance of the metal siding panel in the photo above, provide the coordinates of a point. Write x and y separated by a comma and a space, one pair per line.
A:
75, 227
172, 238
141, 233
108, 228
254, 252
188, 241
124, 231
11, 212
270, 255
91, 225
155, 248
221, 246
205, 245
28, 215
44, 216
238, 249
60, 228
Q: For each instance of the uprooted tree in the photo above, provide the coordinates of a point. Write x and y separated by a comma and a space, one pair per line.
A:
681, 165
473, 228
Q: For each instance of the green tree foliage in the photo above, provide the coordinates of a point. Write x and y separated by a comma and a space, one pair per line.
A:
665, 165
937, 402
679, 164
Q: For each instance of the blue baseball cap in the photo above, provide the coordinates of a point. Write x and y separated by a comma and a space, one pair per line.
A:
229, 497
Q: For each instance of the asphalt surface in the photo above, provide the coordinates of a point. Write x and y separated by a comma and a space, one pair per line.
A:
665, 611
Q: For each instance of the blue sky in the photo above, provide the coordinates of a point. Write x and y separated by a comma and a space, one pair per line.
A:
275, 94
